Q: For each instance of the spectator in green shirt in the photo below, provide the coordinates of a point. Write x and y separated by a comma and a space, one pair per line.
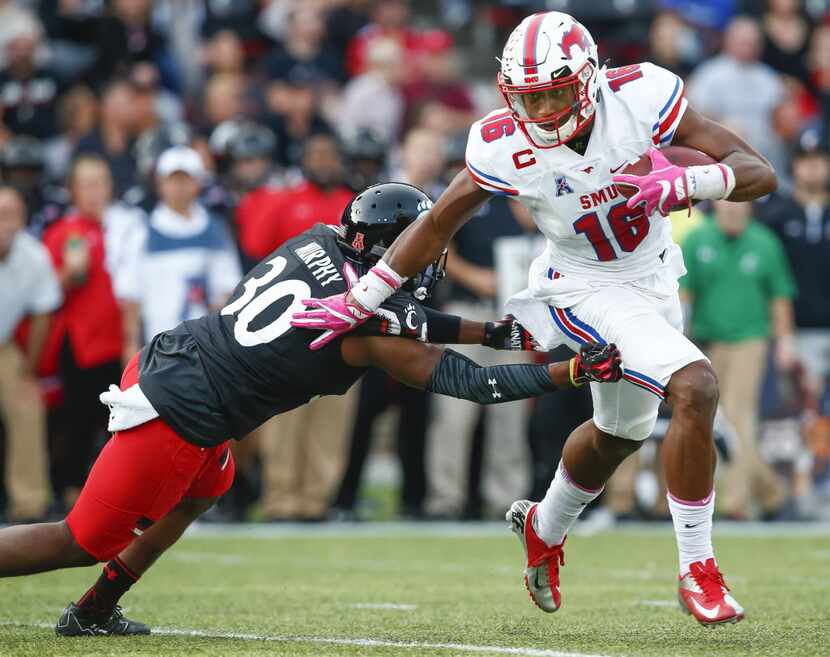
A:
739, 289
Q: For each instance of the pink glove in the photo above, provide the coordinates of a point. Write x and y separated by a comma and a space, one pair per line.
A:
662, 189
336, 315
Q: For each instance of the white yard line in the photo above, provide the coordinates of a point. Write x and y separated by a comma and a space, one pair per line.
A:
383, 605
366, 643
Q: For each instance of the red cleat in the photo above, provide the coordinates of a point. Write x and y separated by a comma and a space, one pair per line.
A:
704, 595
542, 571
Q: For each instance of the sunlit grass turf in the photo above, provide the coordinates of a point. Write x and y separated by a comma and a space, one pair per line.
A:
617, 588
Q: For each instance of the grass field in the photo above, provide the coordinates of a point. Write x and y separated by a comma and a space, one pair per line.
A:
421, 591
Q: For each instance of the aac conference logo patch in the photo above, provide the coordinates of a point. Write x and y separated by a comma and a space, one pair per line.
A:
562, 186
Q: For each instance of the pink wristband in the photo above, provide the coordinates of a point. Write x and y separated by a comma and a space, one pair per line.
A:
389, 275
376, 285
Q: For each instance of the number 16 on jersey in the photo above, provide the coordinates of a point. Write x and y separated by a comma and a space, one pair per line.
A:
629, 225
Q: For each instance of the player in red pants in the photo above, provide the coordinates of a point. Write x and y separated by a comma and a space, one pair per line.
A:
220, 376
109, 514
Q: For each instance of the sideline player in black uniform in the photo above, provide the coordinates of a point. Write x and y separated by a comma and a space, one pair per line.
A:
218, 377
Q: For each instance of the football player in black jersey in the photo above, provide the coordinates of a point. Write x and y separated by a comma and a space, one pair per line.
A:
193, 388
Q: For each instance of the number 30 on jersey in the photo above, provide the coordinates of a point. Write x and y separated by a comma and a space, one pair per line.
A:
254, 300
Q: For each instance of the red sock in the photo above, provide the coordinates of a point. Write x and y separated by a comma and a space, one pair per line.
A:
115, 581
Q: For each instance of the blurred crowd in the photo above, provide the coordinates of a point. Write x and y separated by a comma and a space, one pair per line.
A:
152, 151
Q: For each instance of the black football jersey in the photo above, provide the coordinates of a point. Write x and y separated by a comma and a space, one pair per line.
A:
224, 374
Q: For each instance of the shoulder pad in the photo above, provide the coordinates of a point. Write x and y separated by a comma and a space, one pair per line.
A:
653, 93
490, 146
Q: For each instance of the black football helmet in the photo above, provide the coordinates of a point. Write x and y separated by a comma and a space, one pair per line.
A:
252, 140
374, 219
365, 154
364, 144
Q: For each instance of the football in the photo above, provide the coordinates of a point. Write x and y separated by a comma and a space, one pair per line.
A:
679, 155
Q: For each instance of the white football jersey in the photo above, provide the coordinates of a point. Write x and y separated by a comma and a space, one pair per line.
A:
590, 232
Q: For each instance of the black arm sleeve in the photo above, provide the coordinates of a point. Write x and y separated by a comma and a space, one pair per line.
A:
458, 376
442, 328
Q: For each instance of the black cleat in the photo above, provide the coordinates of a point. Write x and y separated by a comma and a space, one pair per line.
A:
74, 622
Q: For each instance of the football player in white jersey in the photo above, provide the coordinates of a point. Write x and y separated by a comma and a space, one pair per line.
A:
609, 274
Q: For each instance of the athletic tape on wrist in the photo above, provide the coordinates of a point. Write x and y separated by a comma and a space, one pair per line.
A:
389, 275
376, 285
710, 181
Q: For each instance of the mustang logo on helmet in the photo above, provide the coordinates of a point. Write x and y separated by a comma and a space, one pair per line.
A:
575, 37
569, 64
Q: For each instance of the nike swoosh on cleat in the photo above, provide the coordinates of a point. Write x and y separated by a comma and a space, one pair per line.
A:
618, 168
708, 613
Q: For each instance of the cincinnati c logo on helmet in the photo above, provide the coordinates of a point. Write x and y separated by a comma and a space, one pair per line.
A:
424, 205
575, 37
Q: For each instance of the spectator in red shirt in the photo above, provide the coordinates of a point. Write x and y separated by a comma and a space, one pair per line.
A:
89, 325
266, 218
390, 20
270, 217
